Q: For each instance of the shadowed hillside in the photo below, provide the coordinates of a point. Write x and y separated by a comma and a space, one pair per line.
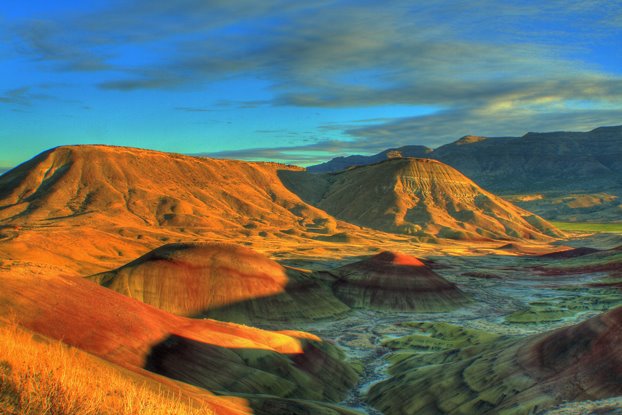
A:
43, 376
420, 197
509, 375
223, 281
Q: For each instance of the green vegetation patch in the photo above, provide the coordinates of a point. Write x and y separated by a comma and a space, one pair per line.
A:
437, 336
560, 308
588, 227
539, 314
597, 300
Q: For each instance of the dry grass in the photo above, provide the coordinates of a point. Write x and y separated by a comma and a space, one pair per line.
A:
40, 377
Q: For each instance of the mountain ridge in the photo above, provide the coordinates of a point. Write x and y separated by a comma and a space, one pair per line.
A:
534, 162
119, 202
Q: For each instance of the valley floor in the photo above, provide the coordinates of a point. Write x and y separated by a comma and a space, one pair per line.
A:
512, 296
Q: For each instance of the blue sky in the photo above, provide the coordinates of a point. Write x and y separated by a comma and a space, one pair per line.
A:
301, 83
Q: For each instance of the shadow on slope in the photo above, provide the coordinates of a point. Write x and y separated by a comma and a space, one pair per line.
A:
314, 373
223, 281
126, 332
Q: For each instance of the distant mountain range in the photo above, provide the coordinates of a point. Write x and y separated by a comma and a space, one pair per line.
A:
536, 162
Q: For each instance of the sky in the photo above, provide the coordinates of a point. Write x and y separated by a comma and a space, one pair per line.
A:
301, 82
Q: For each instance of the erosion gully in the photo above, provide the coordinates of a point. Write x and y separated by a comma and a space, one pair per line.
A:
360, 333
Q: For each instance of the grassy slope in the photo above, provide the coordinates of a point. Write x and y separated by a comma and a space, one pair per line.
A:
39, 376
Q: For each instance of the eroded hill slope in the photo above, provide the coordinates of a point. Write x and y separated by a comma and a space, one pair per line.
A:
421, 197
223, 281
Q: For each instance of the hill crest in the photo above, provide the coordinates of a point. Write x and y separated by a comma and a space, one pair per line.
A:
419, 197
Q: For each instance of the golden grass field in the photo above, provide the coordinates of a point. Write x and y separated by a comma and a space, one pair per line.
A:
40, 376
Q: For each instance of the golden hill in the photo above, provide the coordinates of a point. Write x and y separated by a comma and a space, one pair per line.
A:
43, 376
114, 203
221, 357
86, 209
223, 281
142, 187
420, 197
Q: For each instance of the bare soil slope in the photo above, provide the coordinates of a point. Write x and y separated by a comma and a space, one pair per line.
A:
138, 187
99, 204
420, 197
220, 357
86, 209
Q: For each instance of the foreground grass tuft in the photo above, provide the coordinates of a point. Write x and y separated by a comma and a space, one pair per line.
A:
43, 377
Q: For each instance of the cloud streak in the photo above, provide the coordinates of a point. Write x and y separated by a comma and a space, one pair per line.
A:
491, 67
300, 155
22, 96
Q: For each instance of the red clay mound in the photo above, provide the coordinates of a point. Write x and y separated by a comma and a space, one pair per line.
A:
579, 362
223, 281
395, 281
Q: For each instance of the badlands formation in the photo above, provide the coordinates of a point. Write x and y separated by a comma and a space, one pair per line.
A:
400, 287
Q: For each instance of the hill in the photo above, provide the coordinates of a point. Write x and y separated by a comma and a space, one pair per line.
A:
343, 163
86, 209
227, 358
143, 187
223, 281
509, 375
395, 281
420, 197
536, 162
100, 204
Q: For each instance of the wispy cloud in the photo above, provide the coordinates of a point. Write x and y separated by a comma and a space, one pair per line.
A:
491, 67
23, 96
301, 155
194, 109
49, 41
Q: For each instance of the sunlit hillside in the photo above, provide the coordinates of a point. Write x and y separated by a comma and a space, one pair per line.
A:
42, 376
